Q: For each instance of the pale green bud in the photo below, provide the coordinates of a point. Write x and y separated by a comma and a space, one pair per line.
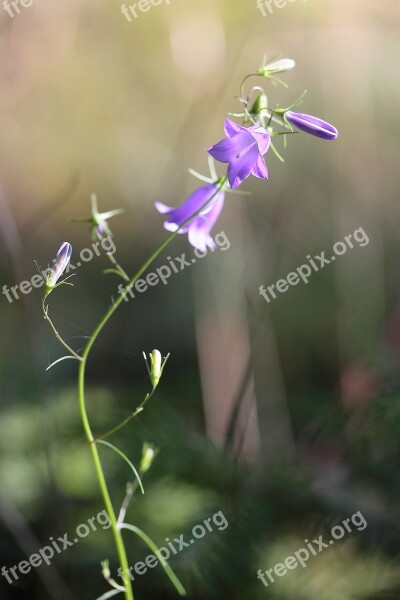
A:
157, 364
148, 455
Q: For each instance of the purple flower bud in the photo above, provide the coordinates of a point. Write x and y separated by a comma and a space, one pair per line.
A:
312, 125
61, 262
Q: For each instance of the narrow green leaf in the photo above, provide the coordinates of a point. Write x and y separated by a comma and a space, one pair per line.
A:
169, 572
114, 271
59, 360
126, 459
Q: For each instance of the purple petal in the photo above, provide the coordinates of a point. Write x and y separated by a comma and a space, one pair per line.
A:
60, 263
312, 125
200, 227
240, 169
177, 216
262, 138
229, 148
260, 169
163, 208
231, 128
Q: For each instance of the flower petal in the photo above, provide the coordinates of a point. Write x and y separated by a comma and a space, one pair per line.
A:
262, 138
260, 169
240, 169
163, 208
200, 227
229, 148
191, 205
231, 128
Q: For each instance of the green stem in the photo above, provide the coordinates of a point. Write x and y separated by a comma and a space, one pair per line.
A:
137, 410
123, 560
58, 336
81, 394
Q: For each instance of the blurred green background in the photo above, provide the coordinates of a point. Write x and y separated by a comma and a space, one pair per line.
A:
285, 416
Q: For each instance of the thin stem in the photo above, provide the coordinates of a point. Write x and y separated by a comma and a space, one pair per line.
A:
126, 421
123, 560
58, 336
81, 394
130, 490
116, 264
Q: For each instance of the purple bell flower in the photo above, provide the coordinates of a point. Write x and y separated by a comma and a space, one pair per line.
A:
312, 125
243, 149
198, 229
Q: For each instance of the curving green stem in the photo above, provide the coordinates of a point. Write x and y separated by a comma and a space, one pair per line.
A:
116, 529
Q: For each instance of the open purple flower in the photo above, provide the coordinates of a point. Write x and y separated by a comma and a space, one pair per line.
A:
243, 149
312, 125
198, 229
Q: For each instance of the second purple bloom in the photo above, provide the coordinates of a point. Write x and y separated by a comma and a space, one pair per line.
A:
198, 229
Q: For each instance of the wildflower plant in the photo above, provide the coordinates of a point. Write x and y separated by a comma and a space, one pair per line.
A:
243, 150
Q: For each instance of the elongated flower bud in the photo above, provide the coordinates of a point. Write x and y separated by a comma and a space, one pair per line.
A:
312, 125
61, 262
148, 455
157, 364
279, 66
260, 105
155, 367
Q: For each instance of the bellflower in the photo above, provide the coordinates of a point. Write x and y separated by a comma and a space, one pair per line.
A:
98, 221
312, 125
198, 229
243, 149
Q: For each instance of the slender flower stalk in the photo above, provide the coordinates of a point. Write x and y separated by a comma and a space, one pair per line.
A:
116, 528
55, 331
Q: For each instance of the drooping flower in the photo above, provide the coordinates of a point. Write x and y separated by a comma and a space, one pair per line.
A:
312, 125
99, 221
198, 229
243, 148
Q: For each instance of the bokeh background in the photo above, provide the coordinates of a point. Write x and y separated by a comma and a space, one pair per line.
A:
285, 416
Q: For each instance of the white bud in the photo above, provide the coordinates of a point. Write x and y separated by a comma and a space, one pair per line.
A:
279, 66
